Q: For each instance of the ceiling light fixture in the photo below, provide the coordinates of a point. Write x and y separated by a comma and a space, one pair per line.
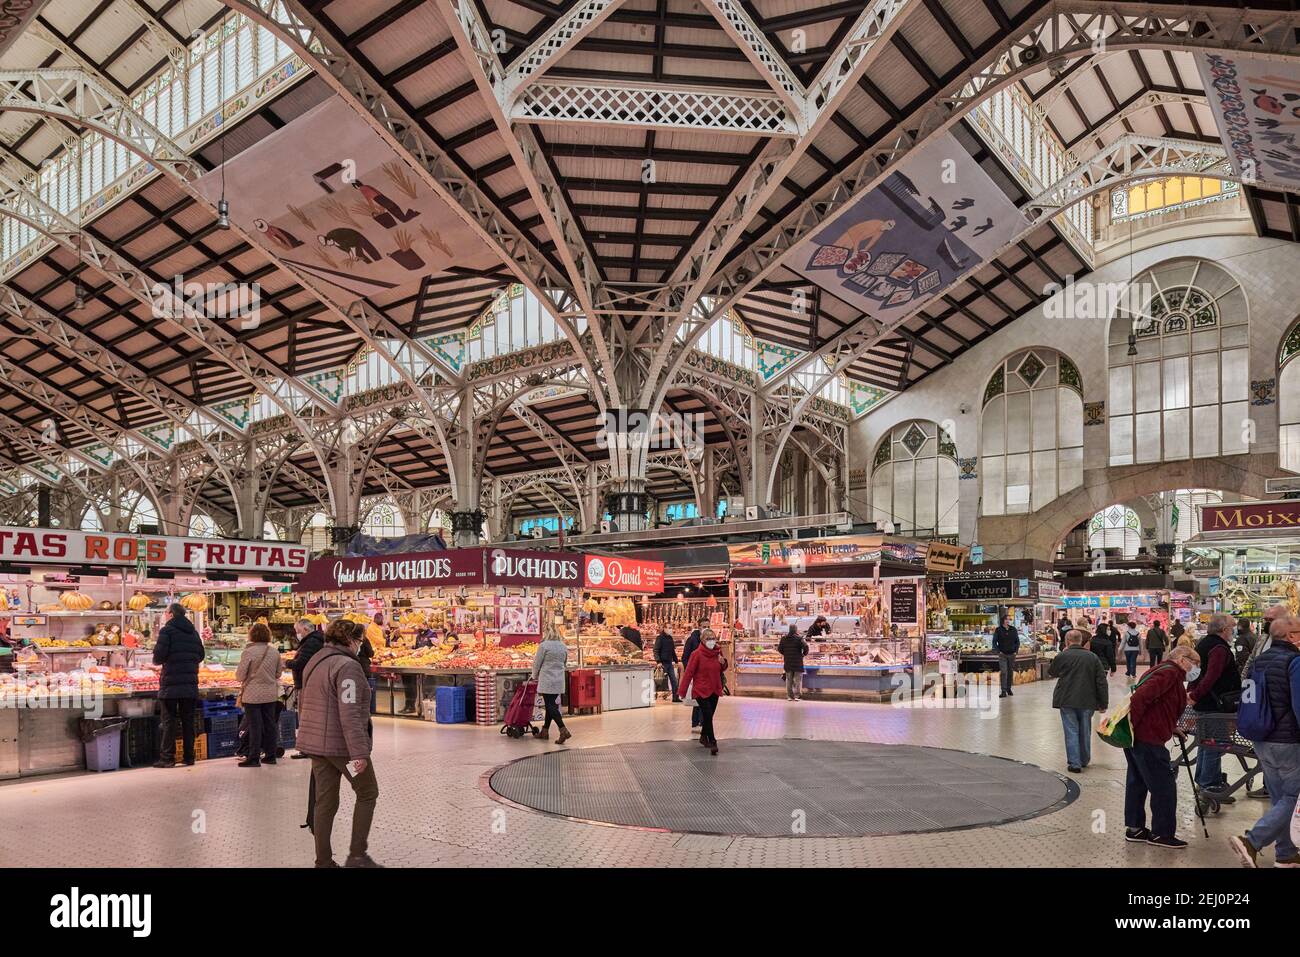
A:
1132, 344
79, 295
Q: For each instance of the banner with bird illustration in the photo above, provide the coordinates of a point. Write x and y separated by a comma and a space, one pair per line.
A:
1256, 103
330, 198
901, 244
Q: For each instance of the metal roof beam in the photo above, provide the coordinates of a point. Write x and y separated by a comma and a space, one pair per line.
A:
767, 61
560, 37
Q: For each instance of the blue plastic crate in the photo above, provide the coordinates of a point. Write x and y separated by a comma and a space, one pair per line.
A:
222, 724
218, 705
453, 705
223, 745
288, 728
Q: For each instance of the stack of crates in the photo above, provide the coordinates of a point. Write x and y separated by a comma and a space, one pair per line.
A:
140, 742
200, 748
288, 728
221, 724
485, 698
453, 705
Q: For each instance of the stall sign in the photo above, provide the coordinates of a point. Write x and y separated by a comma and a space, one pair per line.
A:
942, 557
1049, 590
507, 566
1241, 517
902, 603
977, 554
63, 547
412, 570
623, 574
1108, 601
984, 589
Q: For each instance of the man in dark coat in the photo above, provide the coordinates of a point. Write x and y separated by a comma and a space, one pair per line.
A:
1080, 692
1103, 644
1157, 642
1006, 642
666, 655
1216, 690
310, 640
793, 648
180, 652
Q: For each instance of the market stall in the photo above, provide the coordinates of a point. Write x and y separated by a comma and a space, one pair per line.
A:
871, 590
472, 617
1144, 599
1253, 549
974, 600
81, 611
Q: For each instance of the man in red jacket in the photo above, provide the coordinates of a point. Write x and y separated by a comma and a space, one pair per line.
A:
1154, 710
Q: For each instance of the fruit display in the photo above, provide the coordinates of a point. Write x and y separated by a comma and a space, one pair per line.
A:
60, 643
195, 602
139, 601
76, 601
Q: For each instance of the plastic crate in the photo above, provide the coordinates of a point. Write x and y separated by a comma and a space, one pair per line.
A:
288, 728
200, 748
210, 706
221, 725
453, 705
140, 747
104, 751
222, 745
584, 688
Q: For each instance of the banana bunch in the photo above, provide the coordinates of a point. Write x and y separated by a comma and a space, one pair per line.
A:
76, 601
139, 601
195, 602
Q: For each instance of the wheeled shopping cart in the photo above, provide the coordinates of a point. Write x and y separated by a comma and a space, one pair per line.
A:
1218, 732
519, 716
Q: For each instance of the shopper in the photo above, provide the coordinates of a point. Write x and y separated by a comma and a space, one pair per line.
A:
1154, 710
665, 652
688, 648
180, 652
1276, 673
335, 709
1244, 645
792, 649
1132, 648
1063, 628
1103, 644
366, 655
1006, 642
548, 671
704, 680
1176, 630
310, 640
1157, 642
259, 678
1080, 691
1217, 690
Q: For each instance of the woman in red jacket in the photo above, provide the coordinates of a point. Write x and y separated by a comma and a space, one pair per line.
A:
703, 678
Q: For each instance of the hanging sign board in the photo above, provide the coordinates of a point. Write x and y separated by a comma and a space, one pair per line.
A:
623, 574
507, 566
412, 570
127, 550
1250, 516
942, 557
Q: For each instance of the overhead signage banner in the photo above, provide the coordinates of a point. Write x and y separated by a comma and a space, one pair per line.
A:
912, 236
823, 551
1250, 516
982, 589
123, 549
506, 566
1108, 601
413, 570
942, 557
1256, 104
623, 574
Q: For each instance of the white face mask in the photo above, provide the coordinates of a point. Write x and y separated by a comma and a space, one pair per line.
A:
1194, 673
710, 644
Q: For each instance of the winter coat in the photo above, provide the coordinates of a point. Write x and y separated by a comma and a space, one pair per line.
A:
1006, 640
1216, 688
548, 666
665, 650
1081, 681
1157, 704
1103, 646
792, 648
1280, 665
334, 706
313, 643
1157, 640
704, 673
259, 673
692, 642
180, 652
365, 654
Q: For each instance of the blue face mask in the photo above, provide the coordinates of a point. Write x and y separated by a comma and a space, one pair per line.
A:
1194, 673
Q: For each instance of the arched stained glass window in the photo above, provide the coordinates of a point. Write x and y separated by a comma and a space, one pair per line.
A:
1031, 432
1179, 366
1116, 527
914, 480
1288, 400
202, 526
384, 520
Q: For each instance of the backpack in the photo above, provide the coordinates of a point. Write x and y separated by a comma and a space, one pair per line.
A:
1255, 720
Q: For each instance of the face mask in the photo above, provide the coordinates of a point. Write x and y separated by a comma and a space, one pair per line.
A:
1194, 673
710, 644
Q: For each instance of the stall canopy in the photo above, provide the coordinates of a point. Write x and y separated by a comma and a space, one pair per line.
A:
483, 566
200, 556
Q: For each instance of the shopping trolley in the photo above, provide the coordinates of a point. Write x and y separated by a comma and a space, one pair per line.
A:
1218, 732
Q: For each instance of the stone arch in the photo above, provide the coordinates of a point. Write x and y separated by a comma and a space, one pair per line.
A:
1037, 534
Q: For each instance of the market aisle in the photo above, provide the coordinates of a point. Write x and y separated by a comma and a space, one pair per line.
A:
432, 811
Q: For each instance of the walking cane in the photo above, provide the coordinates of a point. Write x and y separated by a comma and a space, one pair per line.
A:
1196, 799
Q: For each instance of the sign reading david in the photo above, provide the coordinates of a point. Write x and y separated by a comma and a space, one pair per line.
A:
604, 573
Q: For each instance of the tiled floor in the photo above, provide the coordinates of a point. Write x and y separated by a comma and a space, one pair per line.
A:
432, 810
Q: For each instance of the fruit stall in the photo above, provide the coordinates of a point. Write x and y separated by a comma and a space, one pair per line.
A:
871, 590
472, 617
81, 611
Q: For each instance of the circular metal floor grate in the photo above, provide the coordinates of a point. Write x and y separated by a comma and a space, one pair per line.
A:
780, 787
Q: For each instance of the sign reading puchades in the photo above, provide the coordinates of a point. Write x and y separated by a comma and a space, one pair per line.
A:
453, 567
605, 573
53, 546
1251, 516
